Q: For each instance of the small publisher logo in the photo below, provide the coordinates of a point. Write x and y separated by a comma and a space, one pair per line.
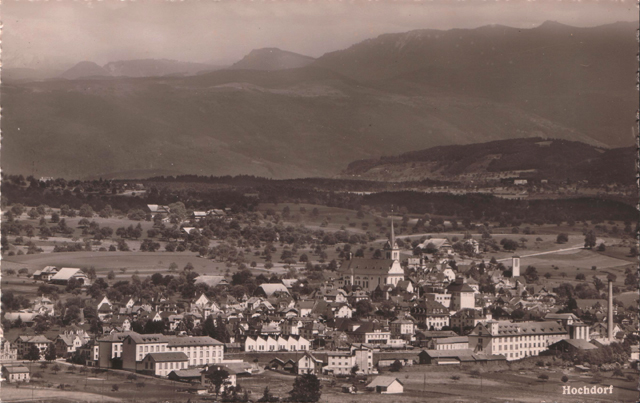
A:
586, 390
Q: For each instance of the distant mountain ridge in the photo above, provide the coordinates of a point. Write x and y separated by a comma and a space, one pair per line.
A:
582, 78
272, 59
136, 68
550, 159
157, 68
385, 96
85, 69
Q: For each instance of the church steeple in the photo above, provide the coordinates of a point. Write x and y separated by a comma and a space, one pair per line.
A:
393, 251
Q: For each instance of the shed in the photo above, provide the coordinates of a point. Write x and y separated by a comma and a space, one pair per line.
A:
386, 385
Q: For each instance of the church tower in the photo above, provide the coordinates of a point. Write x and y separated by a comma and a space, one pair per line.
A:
391, 247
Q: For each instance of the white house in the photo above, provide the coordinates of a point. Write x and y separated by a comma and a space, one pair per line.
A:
386, 385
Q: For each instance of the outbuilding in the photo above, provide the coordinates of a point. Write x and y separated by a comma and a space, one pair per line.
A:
386, 385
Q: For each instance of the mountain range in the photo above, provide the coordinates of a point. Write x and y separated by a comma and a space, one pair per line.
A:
283, 115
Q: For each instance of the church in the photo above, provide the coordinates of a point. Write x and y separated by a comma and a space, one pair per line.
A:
371, 273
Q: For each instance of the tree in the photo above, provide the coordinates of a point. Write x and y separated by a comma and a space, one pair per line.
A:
355, 369
590, 240
55, 368
580, 277
363, 308
543, 377
115, 387
396, 366
562, 238
33, 354
217, 378
267, 396
132, 377
531, 274
564, 379
86, 211
602, 247
306, 388
50, 354
111, 275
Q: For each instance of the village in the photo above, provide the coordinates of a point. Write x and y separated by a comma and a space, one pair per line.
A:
376, 321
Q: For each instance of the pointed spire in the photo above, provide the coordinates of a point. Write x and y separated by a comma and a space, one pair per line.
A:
393, 237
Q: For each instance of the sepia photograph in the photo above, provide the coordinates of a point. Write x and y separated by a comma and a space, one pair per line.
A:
319, 201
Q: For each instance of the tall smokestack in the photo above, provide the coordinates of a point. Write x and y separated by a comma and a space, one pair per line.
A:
610, 312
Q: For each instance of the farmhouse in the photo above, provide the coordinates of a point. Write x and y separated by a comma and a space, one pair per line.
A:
45, 274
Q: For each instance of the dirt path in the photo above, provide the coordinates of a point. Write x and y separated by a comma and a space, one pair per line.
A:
27, 394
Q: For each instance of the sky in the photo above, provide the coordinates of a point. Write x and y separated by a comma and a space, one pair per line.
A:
61, 33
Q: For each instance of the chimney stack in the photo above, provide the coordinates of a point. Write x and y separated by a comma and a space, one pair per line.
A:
610, 312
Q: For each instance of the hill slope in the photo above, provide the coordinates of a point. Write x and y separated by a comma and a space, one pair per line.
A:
533, 157
582, 78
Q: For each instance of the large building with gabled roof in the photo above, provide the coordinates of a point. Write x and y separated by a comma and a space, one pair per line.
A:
515, 340
370, 274
199, 350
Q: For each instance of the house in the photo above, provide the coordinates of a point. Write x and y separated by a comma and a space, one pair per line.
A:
158, 209
229, 382
370, 333
89, 353
17, 373
110, 350
308, 364
468, 318
66, 274
405, 286
45, 274
161, 364
369, 274
402, 328
24, 344
267, 290
386, 385
342, 362
433, 314
43, 306
67, 344
462, 295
